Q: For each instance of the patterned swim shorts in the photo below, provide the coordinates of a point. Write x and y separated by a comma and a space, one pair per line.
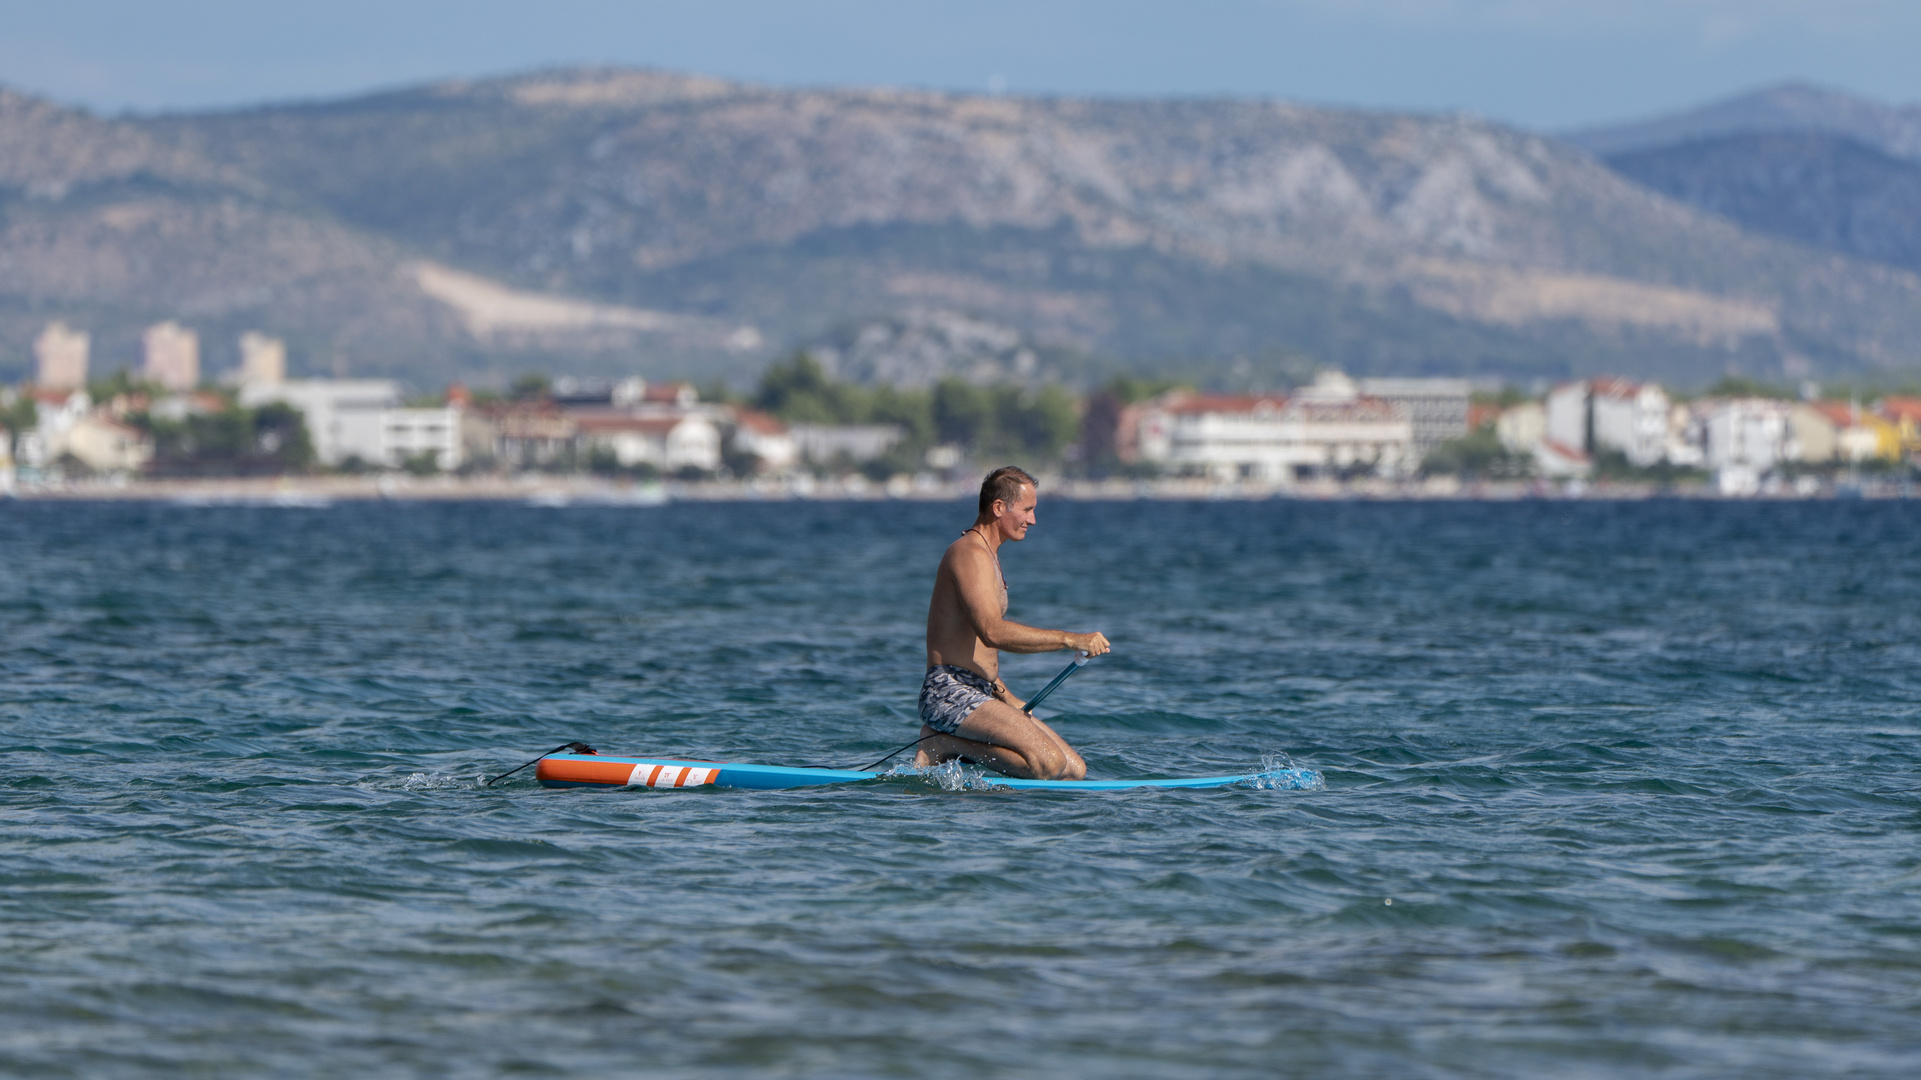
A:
949, 694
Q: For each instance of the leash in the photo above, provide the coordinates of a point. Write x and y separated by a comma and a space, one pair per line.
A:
576, 747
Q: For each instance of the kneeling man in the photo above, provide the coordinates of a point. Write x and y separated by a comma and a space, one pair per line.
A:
966, 711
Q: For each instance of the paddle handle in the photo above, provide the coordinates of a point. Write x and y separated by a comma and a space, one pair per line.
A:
1078, 663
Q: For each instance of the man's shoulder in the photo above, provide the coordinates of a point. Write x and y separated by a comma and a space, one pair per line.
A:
964, 552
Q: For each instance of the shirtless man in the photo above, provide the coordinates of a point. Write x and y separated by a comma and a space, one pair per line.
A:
965, 709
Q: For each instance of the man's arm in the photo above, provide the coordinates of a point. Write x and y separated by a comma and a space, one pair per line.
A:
981, 598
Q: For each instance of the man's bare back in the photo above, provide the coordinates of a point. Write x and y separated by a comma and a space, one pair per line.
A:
967, 711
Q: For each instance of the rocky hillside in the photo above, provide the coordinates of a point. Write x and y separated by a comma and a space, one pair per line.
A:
112, 226
599, 219
1826, 191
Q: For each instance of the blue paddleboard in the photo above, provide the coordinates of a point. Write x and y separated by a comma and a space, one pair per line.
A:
605, 770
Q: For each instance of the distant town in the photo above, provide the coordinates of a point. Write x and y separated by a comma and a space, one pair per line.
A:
165, 426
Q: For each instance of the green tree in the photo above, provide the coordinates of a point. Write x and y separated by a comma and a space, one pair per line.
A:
800, 392
963, 413
233, 441
280, 432
911, 409
1479, 453
20, 415
122, 381
531, 386
1741, 386
1039, 423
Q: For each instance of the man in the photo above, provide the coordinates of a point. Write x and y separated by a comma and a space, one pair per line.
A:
966, 711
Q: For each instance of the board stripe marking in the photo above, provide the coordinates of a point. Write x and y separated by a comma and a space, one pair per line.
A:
658, 775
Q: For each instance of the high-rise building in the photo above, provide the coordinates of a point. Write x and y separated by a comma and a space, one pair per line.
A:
60, 355
263, 360
171, 356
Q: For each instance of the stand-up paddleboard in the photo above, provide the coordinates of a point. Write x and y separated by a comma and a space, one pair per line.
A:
605, 770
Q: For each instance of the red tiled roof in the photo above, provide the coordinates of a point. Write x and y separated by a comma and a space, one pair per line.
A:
759, 422
666, 392
1839, 413
1614, 387
111, 424
615, 423
1564, 450
1897, 407
1220, 403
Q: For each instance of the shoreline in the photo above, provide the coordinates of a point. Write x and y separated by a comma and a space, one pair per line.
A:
549, 490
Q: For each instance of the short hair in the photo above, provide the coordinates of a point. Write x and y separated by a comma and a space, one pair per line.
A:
1004, 484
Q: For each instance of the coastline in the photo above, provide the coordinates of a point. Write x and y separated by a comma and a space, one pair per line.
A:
542, 489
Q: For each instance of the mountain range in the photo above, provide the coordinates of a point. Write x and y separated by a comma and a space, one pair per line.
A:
1819, 167
603, 220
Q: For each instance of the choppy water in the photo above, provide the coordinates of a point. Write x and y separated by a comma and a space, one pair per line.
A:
1613, 790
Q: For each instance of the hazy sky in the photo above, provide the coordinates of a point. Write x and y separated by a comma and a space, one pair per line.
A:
1538, 63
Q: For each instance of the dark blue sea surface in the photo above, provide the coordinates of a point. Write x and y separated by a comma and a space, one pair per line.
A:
1612, 789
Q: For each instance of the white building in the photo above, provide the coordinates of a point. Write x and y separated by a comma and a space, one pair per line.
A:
106, 445
825, 443
1567, 416
60, 357
345, 417
668, 443
407, 433
56, 412
1630, 417
765, 438
1555, 461
170, 356
1745, 439
1686, 438
1522, 427
1275, 438
620, 392
1437, 408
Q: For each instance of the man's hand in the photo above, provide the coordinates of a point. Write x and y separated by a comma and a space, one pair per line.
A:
1092, 644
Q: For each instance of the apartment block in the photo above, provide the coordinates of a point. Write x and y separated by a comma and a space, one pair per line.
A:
60, 357
170, 356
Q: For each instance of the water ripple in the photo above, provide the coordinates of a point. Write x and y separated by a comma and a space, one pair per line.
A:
1604, 789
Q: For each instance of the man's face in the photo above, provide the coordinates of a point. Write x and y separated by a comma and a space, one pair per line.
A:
1015, 519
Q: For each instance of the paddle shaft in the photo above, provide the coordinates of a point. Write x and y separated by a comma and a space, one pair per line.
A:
1078, 663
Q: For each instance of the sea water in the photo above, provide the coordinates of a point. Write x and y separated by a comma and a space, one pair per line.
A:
1611, 789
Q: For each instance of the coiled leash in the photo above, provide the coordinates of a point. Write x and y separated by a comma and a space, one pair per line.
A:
576, 747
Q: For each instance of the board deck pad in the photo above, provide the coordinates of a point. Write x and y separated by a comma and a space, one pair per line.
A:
607, 770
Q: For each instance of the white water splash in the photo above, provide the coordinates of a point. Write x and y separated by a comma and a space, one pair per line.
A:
421, 781
949, 776
1279, 772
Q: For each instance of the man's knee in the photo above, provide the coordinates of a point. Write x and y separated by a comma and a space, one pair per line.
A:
1050, 763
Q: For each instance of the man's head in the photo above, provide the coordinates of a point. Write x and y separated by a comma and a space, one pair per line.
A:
1008, 496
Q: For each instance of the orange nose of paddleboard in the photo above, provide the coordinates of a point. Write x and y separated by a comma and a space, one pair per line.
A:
623, 773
